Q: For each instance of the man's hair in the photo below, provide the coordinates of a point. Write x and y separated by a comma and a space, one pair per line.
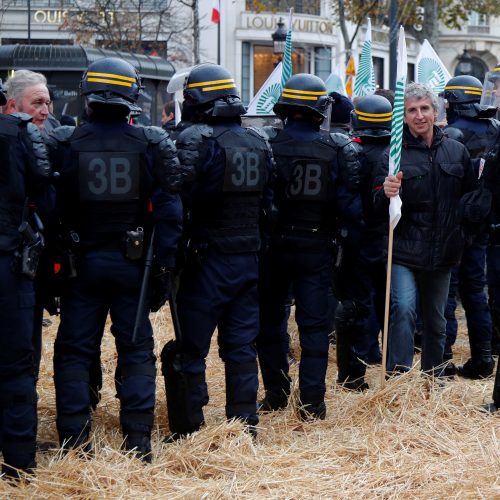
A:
169, 107
21, 80
421, 91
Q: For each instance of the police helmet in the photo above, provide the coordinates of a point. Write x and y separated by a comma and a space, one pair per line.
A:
303, 93
211, 89
112, 81
3, 97
463, 89
372, 116
494, 74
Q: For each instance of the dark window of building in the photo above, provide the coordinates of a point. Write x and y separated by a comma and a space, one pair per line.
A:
245, 72
410, 77
378, 67
478, 69
322, 62
312, 7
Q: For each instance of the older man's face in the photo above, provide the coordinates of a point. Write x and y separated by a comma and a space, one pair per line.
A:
420, 116
35, 101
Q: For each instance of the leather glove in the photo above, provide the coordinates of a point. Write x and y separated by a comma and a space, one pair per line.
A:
161, 289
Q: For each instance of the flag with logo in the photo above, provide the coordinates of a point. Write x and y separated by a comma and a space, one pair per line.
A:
335, 82
430, 69
397, 125
287, 56
364, 83
267, 96
216, 11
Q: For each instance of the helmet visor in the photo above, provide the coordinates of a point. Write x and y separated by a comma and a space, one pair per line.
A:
176, 84
491, 91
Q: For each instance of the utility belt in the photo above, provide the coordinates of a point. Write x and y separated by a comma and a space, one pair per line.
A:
132, 245
28, 254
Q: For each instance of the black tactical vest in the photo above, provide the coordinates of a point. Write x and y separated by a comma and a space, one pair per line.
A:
304, 188
106, 187
228, 219
12, 182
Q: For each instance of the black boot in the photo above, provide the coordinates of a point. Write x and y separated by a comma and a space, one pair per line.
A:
140, 444
450, 369
495, 406
313, 411
481, 363
272, 402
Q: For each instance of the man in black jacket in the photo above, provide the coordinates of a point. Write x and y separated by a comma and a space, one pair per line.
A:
435, 172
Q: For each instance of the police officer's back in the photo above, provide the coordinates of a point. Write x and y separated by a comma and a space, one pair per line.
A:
24, 186
311, 195
227, 169
110, 174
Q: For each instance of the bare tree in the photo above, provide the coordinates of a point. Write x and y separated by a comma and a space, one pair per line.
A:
131, 25
194, 7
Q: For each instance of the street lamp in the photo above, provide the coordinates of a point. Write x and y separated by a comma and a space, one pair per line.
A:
279, 38
464, 65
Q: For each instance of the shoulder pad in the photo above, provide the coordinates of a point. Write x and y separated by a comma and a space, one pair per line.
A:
42, 164
190, 144
62, 133
340, 140
25, 117
266, 132
455, 133
155, 134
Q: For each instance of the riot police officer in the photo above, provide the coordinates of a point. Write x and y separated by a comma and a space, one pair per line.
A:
473, 125
311, 195
365, 273
227, 170
111, 172
24, 186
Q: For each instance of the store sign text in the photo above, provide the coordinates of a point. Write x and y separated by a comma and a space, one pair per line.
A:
304, 25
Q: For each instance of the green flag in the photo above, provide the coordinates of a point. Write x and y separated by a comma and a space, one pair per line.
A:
287, 56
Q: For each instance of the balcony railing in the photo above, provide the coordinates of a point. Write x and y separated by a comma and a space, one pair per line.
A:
478, 29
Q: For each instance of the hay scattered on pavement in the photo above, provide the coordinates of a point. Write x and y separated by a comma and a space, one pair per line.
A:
413, 438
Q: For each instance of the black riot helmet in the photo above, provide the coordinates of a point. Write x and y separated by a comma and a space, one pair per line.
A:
463, 89
463, 95
494, 74
305, 94
112, 81
210, 89
372, 117
3, 97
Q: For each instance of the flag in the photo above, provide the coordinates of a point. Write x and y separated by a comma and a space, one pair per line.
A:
430, 69
216, 11
365, 78
350, 73
267, 96
287, 56
335, 82
178, 112
397, 125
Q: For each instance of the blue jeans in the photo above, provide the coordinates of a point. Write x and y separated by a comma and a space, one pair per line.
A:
432, 287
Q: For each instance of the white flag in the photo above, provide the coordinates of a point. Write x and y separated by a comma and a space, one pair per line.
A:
430, 69
397, 125
335, 82
364, 84
265, 99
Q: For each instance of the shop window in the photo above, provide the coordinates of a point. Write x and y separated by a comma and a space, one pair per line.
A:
322, 62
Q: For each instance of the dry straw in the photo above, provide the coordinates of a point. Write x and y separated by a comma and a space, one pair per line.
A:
413, 439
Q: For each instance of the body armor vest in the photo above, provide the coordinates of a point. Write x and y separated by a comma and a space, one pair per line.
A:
107, 186
12, 182
228, 218
478, 144
304, 190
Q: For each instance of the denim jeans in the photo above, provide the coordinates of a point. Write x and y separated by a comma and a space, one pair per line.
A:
432, 287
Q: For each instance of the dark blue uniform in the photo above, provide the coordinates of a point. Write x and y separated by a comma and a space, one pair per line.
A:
23, 184
110, 173
309, 196
469, 278
223, 198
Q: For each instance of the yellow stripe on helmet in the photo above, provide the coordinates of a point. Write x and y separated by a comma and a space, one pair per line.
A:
104, 80
303, 97
460, 87
213, 82
473, 93
112, 75
309, 92
218, 87
379, 116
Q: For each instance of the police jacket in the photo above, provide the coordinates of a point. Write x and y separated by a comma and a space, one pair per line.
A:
312, 195
227, 172
429, 235
24, 178
111, 174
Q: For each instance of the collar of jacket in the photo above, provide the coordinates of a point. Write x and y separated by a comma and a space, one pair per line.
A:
409, 141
